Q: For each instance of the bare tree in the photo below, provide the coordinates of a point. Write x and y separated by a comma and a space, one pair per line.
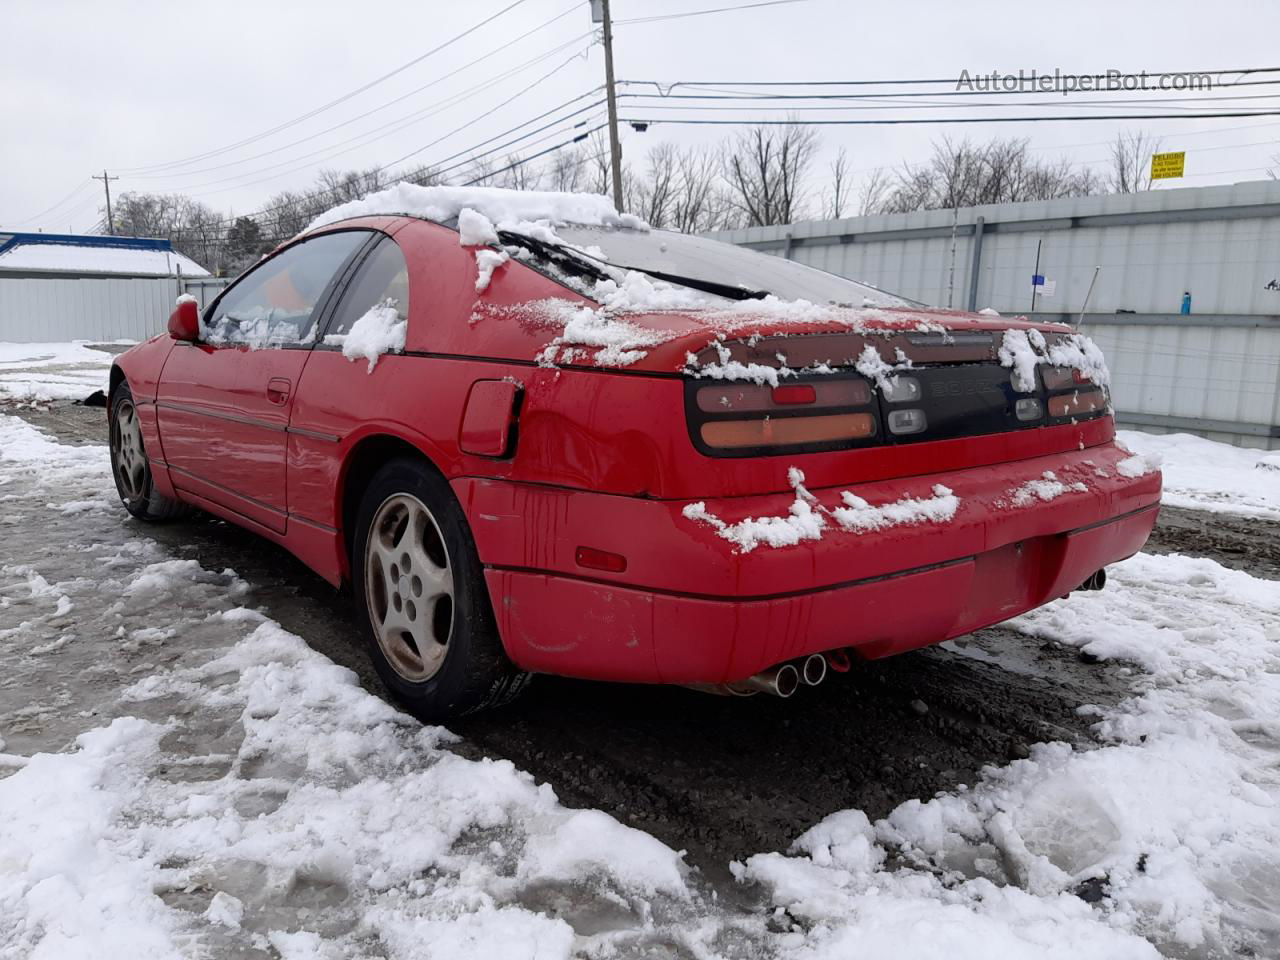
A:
871, 195
765, 169
1131, 162
837, 197
653, 196
1000, 171
702, 203
565, 171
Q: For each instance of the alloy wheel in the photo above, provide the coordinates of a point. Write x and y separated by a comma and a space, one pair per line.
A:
130, 458
409, 587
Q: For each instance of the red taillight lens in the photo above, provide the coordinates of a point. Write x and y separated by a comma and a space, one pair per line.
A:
748, 397
734, 434
794, 395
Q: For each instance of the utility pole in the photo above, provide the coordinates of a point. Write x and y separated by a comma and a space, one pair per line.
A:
600, 14
106, 185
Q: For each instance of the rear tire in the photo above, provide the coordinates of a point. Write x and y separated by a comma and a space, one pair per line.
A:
422, 600
130, 466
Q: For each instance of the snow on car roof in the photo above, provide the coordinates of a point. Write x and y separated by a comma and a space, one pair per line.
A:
503, 207
76, 258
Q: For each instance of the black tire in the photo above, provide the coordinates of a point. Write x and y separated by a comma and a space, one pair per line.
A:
437, 664
130, 467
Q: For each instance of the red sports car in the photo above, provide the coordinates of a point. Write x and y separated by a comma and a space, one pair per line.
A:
537, 437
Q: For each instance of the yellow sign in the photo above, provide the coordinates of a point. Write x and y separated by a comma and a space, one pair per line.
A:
1165, 166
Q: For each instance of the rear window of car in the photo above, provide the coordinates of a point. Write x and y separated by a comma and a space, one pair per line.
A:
700, 258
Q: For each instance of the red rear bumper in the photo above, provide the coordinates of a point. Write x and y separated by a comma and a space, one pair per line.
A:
689, 609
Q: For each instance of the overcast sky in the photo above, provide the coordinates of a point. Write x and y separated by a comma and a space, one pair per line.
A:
133, 85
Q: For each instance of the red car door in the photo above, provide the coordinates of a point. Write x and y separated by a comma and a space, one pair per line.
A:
224, 402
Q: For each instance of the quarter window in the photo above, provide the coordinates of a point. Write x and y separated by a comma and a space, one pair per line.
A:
383, 277
275, 305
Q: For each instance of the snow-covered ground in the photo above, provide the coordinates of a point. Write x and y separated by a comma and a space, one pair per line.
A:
185, 778
42, 372
1206, 475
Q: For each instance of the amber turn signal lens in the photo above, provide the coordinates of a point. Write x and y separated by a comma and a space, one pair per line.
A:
1077, 404
731, 434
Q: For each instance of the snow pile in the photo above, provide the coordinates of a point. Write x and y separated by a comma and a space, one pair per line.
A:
1205, 475
381, 329
806, 518
607, 340
1045, 488
1174, 822
1023, 350
43, 372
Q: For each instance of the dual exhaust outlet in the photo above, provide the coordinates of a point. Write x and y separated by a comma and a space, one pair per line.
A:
780, 681
786, 678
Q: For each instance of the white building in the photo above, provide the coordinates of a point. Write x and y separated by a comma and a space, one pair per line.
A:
57, 287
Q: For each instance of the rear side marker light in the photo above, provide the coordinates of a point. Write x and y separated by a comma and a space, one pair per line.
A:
902, 389
595, 559
794, 395
1028, 408
734, 434
904, 422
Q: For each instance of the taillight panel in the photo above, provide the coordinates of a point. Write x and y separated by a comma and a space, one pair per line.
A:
812, 413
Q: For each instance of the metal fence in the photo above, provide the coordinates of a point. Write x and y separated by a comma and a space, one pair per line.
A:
51, 308
1213, 371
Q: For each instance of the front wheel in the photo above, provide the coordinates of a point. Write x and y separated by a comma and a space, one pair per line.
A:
130, 466
422, 598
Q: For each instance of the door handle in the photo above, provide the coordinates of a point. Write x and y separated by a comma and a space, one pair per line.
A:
278, 390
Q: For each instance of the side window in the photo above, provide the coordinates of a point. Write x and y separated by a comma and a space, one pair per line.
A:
274, 305
383, 277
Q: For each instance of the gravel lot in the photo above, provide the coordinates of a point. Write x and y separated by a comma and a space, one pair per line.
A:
720, 777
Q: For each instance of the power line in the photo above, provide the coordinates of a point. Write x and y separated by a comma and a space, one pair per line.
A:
892, 121
47, 210
699, 13
487, 83
332, 103
396, 126
1242, 71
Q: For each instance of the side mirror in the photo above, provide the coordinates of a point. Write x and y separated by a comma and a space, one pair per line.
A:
184, 322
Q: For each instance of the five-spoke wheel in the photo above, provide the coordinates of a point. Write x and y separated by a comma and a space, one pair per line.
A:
422, 596
409, 582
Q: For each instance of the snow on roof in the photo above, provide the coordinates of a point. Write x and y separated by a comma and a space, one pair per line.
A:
95, 258
503, 207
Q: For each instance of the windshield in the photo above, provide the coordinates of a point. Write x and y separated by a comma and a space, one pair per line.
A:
679, 255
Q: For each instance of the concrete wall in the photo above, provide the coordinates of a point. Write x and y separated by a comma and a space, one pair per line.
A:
1215, 372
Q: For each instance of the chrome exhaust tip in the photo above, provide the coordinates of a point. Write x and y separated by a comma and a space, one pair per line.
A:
780, 681
813, 669
1096, 581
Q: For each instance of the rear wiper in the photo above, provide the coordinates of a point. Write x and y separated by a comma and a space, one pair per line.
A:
728, 291
576, 261
563, 257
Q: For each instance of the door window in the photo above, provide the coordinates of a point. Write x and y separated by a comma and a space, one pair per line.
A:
383, 279
275, 305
